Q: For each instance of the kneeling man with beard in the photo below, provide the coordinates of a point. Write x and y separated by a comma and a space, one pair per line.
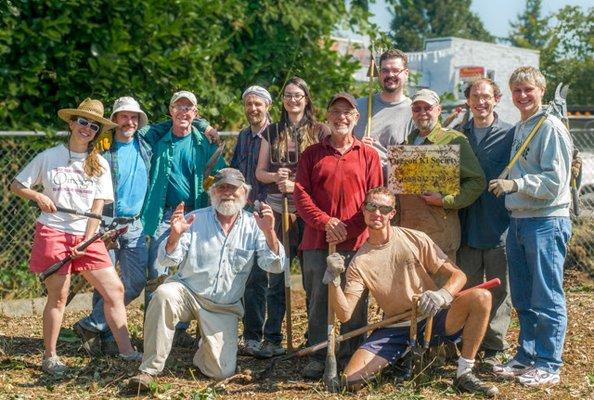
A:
214, 248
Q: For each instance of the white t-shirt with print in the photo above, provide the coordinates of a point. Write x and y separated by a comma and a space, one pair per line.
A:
63, 180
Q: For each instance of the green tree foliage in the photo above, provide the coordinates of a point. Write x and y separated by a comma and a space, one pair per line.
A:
565, 40
53, 54
531, 30
417, 20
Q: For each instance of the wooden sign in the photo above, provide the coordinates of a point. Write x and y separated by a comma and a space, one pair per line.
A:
419, 169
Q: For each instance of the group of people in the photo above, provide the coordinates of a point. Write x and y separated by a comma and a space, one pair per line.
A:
333, 176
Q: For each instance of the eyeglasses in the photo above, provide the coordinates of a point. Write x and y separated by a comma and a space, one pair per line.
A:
183, 108
419, 109
383, 209
395, 71
340, 113
477, 97
293, 96
95, 127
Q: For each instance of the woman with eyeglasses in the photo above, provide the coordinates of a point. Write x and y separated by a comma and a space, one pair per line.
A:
73, 176
277, 164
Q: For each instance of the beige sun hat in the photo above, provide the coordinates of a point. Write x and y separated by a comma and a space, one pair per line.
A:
91, 109
130, 104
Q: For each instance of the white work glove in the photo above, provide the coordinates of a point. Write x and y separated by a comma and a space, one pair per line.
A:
432, 301
502, 186
335, 267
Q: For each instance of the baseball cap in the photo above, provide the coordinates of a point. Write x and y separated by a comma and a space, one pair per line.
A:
183, 94
426, 95
344, 96
230, 176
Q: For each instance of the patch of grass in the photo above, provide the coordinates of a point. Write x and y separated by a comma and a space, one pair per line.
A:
204, 394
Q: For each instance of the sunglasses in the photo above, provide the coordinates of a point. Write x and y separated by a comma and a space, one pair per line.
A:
419, 109
372, 207
95, 127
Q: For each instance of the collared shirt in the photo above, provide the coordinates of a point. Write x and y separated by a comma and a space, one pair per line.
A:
331, 184
245, 159
484, 223
154, 204
215, 265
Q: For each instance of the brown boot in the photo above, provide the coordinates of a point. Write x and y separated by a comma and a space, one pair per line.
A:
140, 383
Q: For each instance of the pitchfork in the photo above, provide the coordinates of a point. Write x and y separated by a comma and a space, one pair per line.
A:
282, 156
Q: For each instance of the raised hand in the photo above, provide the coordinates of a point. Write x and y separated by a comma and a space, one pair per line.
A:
265, 218
179, 223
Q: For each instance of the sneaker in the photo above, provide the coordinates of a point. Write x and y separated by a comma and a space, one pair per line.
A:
53, 366
510, 369
134, 356
91, 341
313, 370
470, 383
539, 377
252, 348
272, 349
183, 339
140, 383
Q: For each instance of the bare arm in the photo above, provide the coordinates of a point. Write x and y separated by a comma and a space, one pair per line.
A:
43, 202
92, 223
454, 278
344, 305
262, 173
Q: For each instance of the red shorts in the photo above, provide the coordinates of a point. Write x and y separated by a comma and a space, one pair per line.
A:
51, 245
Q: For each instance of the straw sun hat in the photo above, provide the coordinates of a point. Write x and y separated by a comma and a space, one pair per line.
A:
91, 109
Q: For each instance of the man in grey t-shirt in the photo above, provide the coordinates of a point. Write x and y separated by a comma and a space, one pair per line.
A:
391, 120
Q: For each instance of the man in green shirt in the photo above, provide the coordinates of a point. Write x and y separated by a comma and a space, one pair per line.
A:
436, 214
176, 176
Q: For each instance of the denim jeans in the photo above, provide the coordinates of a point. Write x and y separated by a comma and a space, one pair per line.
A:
132, 256
264, 297
314, 266
536, 249
154, 269
264, 303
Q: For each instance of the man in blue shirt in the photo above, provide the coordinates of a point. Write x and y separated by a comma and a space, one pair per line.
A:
129, 159
215, 249
484, 223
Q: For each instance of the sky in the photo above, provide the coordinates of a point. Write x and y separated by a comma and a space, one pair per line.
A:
495, 14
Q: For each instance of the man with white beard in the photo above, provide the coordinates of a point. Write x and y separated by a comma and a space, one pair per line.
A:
214, 248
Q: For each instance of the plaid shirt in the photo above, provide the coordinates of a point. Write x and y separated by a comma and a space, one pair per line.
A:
245, 159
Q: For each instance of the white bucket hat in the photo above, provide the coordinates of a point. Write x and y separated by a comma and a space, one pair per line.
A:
128, 103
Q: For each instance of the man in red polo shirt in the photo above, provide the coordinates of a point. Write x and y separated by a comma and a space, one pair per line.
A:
332, 179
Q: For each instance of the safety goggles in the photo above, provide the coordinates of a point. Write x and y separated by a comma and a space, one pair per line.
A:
383, 209
95, 127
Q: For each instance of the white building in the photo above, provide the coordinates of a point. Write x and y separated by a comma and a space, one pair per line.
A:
447, 63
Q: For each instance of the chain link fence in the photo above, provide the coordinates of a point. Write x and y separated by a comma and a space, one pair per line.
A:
17, 217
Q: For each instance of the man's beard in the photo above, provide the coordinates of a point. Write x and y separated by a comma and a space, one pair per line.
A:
229, 207
256, 119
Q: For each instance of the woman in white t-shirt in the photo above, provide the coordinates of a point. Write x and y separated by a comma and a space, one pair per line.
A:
73, 176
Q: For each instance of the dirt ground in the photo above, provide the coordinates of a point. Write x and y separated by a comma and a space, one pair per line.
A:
21, 377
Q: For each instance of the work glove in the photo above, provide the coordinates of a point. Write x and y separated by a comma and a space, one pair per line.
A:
432, 301
502, 186
335, 267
